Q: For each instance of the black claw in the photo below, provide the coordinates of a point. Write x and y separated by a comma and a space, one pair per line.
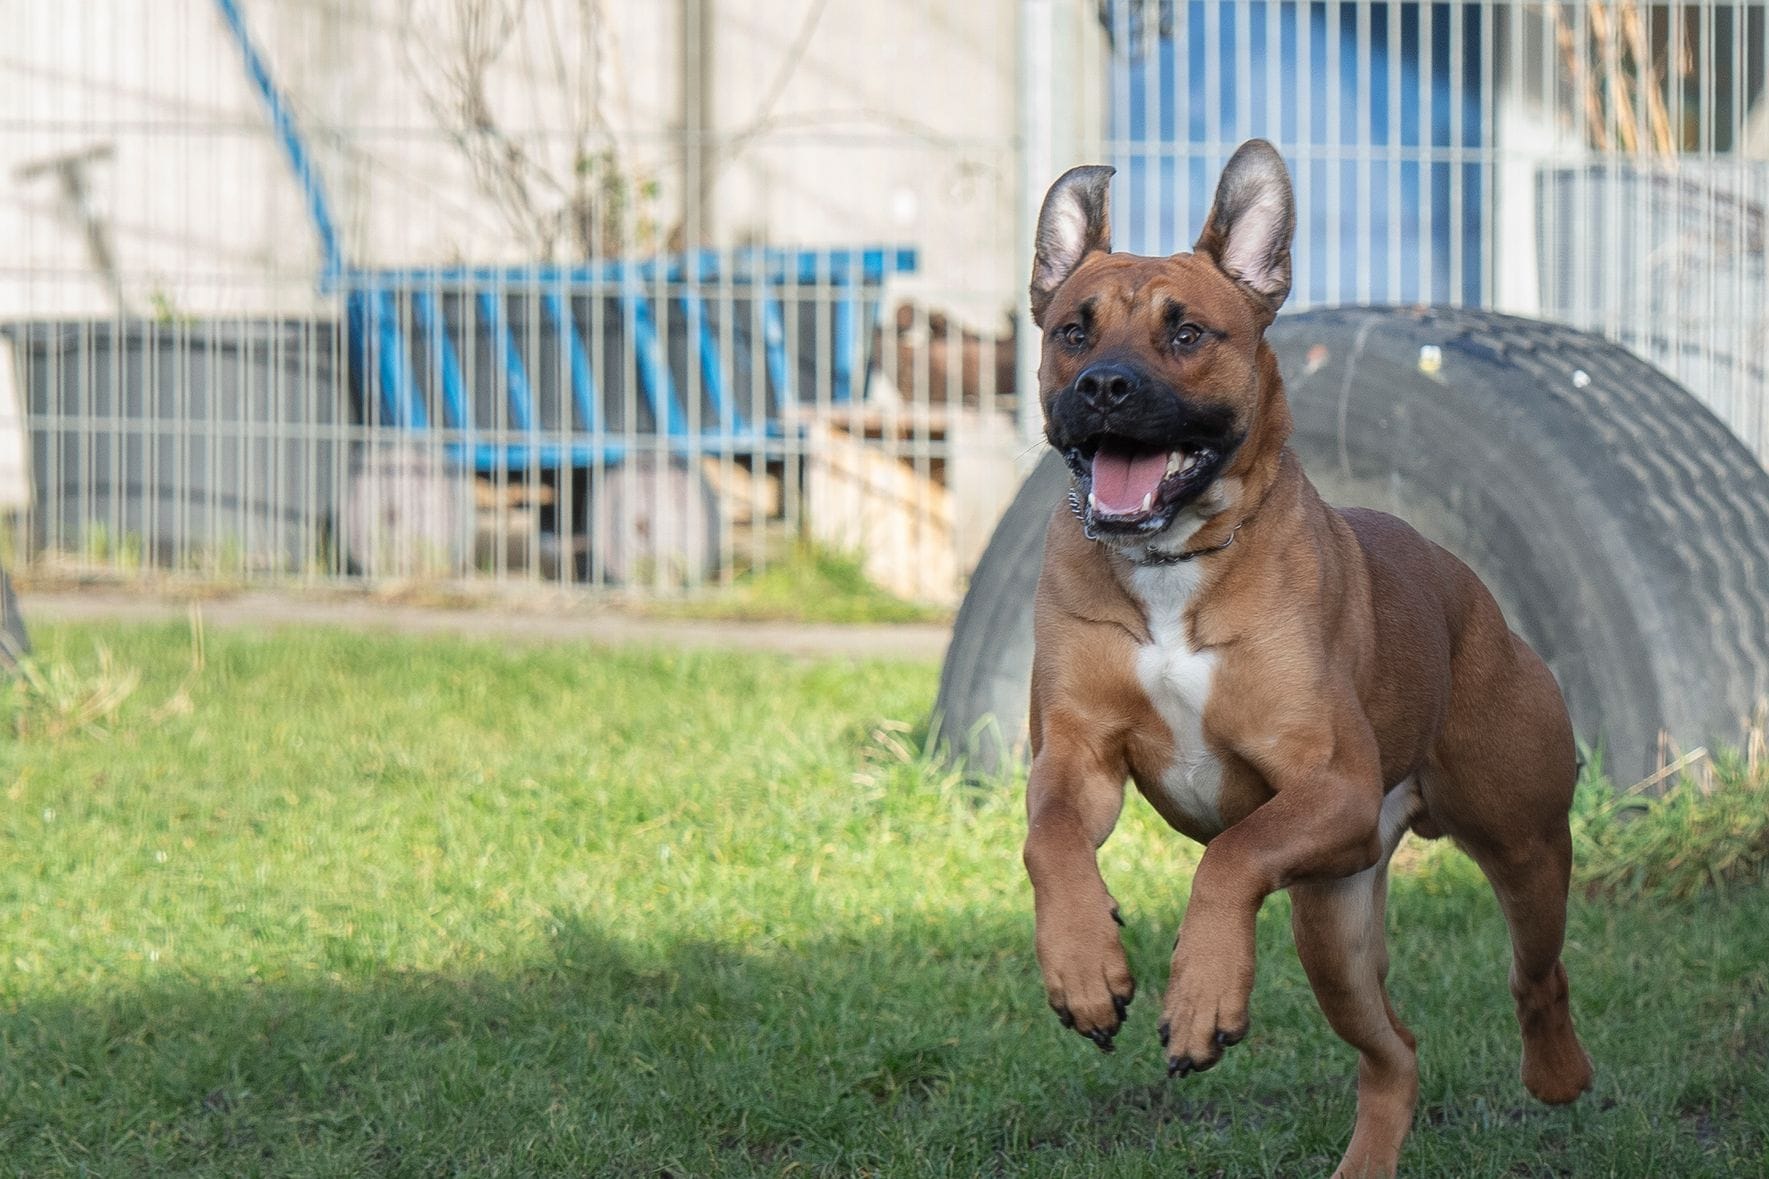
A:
1230, 1039
1179, 1066
1121, 1006
1101, 1037
1165, 1033
1063, 1014
1117, 916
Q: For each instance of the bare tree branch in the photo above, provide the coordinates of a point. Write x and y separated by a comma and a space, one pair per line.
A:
453, 48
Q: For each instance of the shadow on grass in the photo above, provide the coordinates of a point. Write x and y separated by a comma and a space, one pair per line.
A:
921, 1049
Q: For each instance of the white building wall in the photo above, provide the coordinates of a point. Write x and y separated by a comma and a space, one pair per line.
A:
835, 123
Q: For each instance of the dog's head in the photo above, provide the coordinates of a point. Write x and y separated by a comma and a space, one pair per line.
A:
1157, 388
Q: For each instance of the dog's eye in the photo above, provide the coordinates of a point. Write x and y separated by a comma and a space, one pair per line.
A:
1073, 336
1188, 336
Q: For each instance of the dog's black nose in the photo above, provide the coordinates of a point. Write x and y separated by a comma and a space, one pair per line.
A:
1106, 385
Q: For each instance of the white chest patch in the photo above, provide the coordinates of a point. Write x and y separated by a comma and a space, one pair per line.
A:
1177, 681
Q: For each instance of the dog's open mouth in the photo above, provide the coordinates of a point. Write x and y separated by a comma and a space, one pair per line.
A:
1126, 487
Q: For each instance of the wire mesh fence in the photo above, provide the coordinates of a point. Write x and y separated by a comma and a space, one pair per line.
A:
646, 294
1601, 163
581, 291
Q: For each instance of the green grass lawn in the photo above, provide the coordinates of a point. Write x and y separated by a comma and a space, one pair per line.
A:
335, 905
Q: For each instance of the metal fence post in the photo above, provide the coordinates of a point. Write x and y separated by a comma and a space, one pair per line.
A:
1037, 158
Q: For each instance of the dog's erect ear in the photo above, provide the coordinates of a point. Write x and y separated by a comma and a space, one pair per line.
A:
1076, 220
1252, 222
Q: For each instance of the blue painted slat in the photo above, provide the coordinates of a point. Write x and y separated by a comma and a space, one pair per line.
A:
774, 350
583, 378
493, 456
653, 363
727, 418
404, 400
771, 267
357, 345
442, 349
846, 344
491, 306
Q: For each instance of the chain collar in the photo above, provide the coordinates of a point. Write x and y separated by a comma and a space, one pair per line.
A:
1158, 558
1150, 557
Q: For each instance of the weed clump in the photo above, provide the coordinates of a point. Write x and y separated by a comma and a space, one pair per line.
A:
1704, 826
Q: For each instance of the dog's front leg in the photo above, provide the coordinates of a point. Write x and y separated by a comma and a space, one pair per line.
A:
1323, 823
1072, 804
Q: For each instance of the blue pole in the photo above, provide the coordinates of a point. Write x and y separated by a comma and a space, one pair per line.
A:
282, 120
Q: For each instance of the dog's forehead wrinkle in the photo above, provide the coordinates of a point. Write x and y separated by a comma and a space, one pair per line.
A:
1133, 284
1199, 289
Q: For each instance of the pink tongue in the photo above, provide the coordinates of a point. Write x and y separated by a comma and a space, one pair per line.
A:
1122, 481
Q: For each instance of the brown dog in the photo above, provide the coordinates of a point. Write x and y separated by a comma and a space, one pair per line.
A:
1293, 685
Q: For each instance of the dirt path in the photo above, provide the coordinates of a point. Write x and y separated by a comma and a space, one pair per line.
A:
526, 623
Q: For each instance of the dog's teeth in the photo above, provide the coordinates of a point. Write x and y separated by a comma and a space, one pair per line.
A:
1148, 501
1190, 462
1174, 459
1092, 502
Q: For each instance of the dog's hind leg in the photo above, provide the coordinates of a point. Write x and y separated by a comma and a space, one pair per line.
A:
1339, 935
1501, 788
1530, 880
